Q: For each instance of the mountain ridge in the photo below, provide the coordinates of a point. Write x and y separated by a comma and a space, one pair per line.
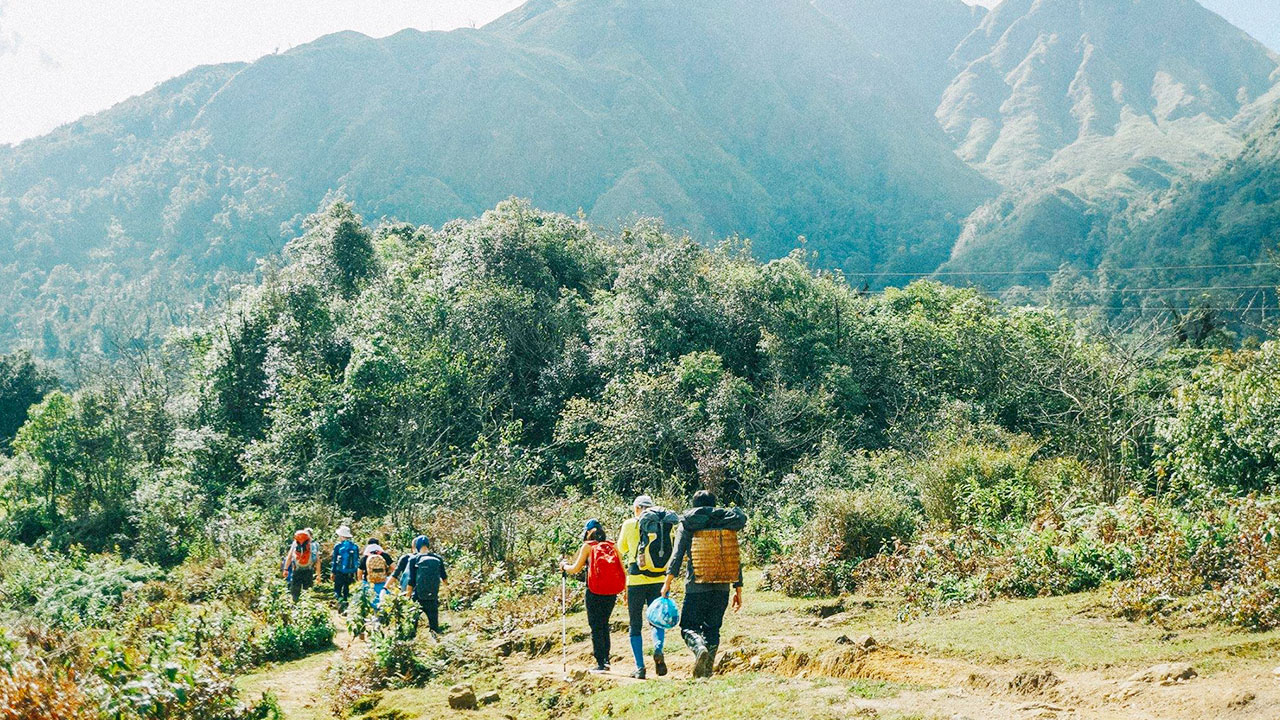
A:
767, 120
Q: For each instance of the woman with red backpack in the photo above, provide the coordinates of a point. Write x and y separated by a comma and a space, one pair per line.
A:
606, 579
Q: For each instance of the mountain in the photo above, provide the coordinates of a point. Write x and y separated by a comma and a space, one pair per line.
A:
894, 136
1078, 107
916, 37
764, 118
1228, 216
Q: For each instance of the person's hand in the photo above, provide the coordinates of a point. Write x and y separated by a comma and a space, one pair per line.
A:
737, 600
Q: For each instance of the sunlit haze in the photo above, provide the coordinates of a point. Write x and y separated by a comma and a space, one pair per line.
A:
62, 59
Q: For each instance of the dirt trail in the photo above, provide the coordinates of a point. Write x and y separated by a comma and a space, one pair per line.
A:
823, 666
297, 685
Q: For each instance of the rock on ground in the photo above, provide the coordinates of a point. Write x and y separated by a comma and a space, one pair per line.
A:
462, 697
1164, 674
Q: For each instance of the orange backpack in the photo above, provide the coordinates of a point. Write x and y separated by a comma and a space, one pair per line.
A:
302, 553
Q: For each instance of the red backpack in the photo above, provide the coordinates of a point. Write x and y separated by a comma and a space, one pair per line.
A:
605, 574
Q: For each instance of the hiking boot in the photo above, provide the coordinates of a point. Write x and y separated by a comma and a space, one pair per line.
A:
702, 659
638, 674
659, 663
598, 669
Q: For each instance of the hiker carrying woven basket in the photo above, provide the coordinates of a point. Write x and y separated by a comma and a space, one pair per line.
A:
707, 555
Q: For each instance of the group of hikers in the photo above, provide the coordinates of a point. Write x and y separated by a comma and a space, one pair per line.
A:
653, 548
419, 573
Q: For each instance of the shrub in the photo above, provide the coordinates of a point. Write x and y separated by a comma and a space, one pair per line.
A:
31, 690
982, 485
392, 645
1222, 433
69, 591
129, 687
847, 526
292, 629
167, 509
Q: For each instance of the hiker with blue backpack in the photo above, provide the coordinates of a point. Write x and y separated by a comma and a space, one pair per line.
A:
606, 579
425, 574
345, 563
646, 544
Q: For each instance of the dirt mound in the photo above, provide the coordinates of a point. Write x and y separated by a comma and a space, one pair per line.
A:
1033, 682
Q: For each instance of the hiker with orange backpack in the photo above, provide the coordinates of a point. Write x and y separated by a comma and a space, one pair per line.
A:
606, 579
707, 555
301, 563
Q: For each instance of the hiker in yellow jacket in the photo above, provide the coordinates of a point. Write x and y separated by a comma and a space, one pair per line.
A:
646, 558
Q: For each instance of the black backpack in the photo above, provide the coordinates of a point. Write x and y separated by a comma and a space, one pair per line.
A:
657, 529
426, 575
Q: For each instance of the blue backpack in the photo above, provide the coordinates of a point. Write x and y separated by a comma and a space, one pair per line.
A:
346, 557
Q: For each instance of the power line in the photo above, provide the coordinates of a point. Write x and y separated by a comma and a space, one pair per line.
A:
1105, 290
1190, 288
1050, 271
1155, 308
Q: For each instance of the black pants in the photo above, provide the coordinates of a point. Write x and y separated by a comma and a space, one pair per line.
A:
342, 585
430, 605
639, 597
599, 608
301, 579
702, 615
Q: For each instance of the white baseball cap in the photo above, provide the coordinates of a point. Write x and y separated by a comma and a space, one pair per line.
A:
643, 501
344, 532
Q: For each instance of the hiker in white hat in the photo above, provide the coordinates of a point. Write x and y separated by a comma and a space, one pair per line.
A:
645, 542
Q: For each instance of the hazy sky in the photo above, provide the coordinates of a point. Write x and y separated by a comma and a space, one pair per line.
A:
61, 59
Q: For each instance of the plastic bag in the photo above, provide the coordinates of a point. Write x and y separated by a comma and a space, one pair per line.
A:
663, 613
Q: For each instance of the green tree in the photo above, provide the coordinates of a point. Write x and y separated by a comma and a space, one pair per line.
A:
22, 384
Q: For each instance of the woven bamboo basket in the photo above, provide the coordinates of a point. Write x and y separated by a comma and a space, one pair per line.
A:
715, 556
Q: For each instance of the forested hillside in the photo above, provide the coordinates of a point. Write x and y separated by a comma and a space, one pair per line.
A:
1228, 215
762, 119
1080, 109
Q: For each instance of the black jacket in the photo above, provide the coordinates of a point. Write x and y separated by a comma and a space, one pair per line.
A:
703, 518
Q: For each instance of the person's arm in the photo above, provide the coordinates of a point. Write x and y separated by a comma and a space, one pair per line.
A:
360, 572
444, 577
683, 542
626, 542
580, 562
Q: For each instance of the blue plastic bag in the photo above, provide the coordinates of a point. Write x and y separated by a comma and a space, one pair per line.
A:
663, 613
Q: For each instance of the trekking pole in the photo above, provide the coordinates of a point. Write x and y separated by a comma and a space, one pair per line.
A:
564, 622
